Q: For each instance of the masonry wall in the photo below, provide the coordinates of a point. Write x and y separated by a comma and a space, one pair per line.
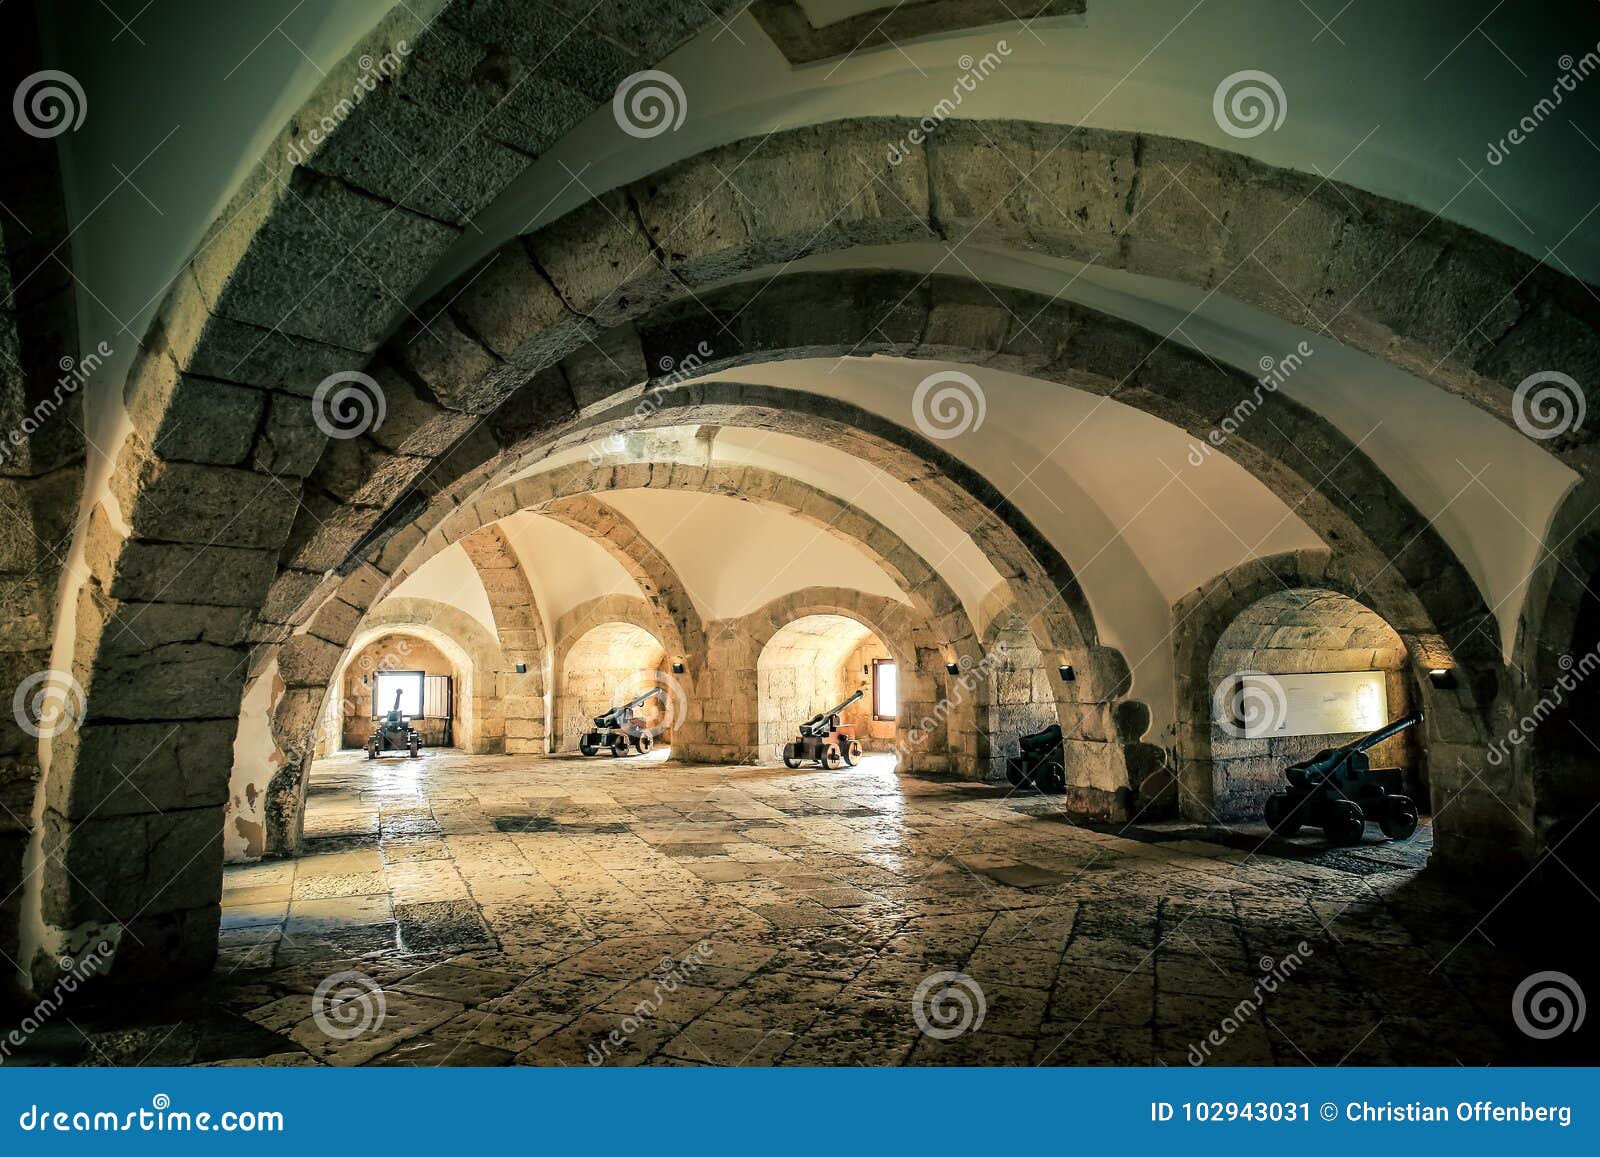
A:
1021, 697
392, 653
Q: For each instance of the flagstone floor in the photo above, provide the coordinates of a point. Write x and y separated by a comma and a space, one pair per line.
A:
564, 911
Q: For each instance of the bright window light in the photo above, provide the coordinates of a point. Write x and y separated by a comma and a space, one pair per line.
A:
885, 689
407, 683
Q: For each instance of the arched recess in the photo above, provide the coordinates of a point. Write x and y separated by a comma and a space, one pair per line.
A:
1275, 603
934, 730
605, 647
1297, 631
480, 657
523, 699
1553, 741
268, 782
1019, 696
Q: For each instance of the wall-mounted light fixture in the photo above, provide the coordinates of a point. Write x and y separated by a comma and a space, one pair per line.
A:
677, 668
866, 669
1444, 678
953, 668
522, 668
1068, 675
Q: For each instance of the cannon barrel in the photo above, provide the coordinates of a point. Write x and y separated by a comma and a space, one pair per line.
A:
1327, 763
1388, 730
820, 720
610, 718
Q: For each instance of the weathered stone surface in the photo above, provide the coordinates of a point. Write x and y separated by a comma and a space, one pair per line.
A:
201, 504
129, 769
253, 269
138, 571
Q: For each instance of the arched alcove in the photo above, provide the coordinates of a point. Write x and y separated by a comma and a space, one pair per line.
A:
1286, 682
1019, 697
812, 664
608, 665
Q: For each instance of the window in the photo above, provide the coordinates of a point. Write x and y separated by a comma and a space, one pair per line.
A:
885, 690
409, 685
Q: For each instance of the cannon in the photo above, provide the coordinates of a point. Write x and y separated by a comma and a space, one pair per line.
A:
620, 728
1338, 790
826, 739
1039, 762
394, 734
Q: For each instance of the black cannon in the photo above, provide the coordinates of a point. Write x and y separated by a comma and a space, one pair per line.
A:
394, 734
826, 739
620, 728
1039, 762
1338, 790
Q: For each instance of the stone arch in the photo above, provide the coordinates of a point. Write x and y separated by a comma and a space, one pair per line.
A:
1450, 736
279, 781
579, 624
522, 693
943, 743
481, 656
1547, 744
1392, 280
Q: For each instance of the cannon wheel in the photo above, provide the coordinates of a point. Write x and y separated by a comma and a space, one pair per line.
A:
1052, 778
1398, 818
790, 759
852, 752
619, 744
644, 743
372, 749
415, 745
585, 746
1282, 816
1346, 825
832, 758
